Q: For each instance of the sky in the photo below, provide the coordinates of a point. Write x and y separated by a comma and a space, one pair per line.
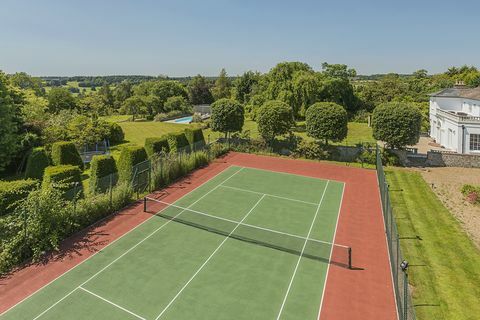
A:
182, 38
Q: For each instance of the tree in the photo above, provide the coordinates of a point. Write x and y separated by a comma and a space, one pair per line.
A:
199, 91
306, 91
338, 71
122, 92
35, 111
24, 81
9, 122
326, 121
280, 77
227, 116
397, 124
274, 118
339, 91
106, 96
177, 103
60, 99
134, 105
222, 86
245, 85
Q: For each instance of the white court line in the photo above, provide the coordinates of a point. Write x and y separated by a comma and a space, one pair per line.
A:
208, 259
136, 245
113, 304
294, 174
301, 254
270, 195
331, 252
246, 224
66, 272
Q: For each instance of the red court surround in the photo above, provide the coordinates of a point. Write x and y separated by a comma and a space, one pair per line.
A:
363, 293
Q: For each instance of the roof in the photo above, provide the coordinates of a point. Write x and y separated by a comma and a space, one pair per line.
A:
459, 92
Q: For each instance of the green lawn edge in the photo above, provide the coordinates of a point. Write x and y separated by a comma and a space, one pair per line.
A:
444, 262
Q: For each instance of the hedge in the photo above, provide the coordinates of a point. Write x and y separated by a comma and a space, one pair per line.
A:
13, 191
156, 145
37, 162
115, 134
178, 142
102, 174
63, 178
64, 153
130, 156
195, 138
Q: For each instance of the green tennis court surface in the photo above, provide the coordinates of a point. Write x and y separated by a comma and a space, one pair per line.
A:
248, 244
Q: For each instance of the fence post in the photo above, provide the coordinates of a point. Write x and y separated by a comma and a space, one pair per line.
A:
405, 296
25, 229
144, 204
111, 189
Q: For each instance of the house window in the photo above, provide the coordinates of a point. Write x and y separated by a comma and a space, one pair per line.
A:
475, 142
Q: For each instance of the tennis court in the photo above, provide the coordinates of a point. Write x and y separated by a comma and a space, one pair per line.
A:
248, 243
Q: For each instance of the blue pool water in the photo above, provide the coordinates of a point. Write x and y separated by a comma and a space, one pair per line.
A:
184, 120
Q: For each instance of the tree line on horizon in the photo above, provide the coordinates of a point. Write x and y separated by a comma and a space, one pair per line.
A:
34, 113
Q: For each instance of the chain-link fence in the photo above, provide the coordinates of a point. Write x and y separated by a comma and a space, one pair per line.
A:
399, 266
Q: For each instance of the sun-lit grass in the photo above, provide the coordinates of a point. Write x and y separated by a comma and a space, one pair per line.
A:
444, 263
136, 132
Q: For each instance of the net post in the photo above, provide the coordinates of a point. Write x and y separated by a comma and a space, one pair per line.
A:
350, 258
144, 204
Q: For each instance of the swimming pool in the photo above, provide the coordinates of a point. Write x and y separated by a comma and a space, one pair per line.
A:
183, 120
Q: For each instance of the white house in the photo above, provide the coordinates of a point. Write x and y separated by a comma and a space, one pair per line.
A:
455, 119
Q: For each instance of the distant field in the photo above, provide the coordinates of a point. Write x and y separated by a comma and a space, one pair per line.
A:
74, 84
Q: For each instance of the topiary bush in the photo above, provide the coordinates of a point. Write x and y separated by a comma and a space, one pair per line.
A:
102, 174
37, 161
115, 133
178, 142
13, 191
326, 121
129, 157
227, 116
195, 138
274, 119
398, 124
156, 145
64, 153
66, 178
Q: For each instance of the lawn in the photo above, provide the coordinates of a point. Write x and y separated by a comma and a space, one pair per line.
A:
443, 260
357, 132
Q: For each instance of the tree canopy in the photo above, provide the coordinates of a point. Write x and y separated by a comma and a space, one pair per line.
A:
397, 124
326, 121
227, 116
274, 119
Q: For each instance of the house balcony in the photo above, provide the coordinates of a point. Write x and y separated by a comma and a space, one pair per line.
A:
459, 117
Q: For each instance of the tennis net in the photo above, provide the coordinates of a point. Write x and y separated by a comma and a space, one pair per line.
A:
309, 248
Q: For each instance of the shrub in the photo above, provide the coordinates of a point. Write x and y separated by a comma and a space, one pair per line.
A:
64, 178
326, 121
160, 117
129, 157
156, 145
37, 162
64, 153
13, 191
471, 193
274, 118
227, 116
177, 142
195, 138
197, 118
397, 124
102, 169
473, 197
115, 134
312, 150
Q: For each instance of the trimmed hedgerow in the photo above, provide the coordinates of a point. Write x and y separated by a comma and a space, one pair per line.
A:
195, 138
178, 142
102, 174
37, 161
64, 153
115, 133
63, 178
130, 156
13, 191
156, 145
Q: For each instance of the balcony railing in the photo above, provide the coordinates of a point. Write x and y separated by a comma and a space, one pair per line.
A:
458, 118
